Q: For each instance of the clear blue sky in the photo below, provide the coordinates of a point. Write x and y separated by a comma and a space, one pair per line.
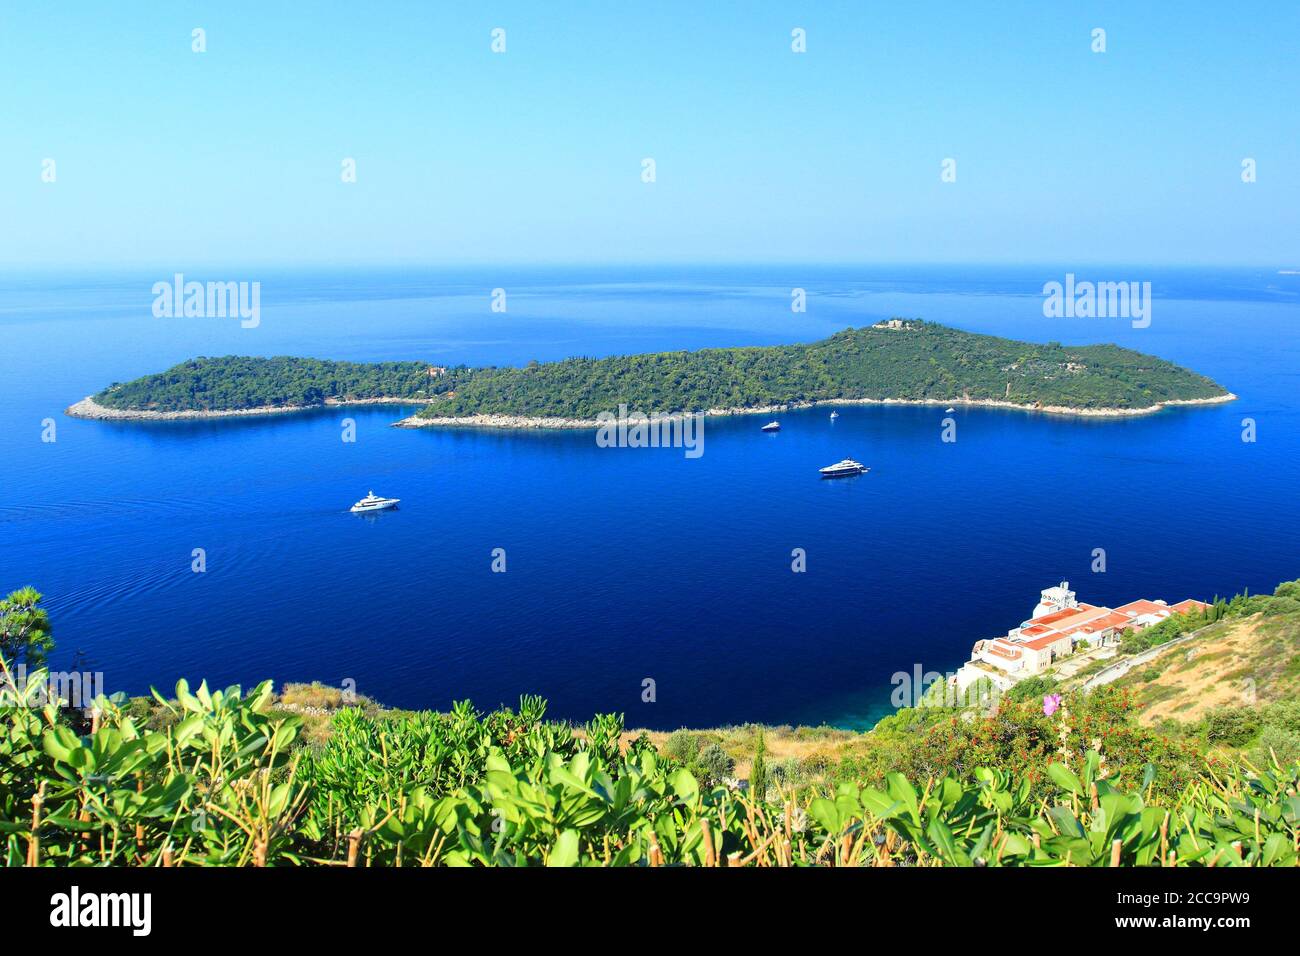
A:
166, 156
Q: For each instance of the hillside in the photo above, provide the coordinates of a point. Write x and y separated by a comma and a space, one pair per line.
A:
1235, 685
916, 361
311, 777
1233, 689
1236, 662
920, 361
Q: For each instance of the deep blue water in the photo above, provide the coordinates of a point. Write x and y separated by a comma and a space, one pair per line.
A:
622, 564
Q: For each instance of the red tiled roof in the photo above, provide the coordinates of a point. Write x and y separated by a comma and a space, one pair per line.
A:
1003, 649
1062, 615
1113, 619
1039, 643
1043, 632
1135, 608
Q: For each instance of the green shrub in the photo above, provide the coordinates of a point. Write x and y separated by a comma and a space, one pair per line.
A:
714, 765
1231, 726
1032, 688
1133, 642
1280, 743
680, 746
1283, 714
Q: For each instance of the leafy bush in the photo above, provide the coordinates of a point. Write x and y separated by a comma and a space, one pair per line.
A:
1031, 688
1232, 726
1278, 743
714, 765
680, 746
1282, 714
1019, 738
225, 784
1288, 589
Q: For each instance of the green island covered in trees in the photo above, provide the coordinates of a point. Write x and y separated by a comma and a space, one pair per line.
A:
316, 776
900, 360
237, 383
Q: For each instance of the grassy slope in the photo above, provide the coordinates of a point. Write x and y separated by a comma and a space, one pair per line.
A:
1236, 662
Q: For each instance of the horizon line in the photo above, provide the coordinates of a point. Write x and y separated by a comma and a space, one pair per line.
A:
100, 267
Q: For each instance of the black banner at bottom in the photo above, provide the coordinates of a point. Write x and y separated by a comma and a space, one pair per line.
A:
336, 905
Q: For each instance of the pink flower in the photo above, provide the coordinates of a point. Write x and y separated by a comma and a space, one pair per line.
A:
1051, 704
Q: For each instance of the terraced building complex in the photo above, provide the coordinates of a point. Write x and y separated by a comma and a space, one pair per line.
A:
1060, 625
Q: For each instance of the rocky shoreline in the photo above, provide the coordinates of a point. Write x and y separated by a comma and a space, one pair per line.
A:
525, 421
88, 408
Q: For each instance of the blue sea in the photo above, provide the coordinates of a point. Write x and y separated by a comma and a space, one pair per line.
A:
622, 564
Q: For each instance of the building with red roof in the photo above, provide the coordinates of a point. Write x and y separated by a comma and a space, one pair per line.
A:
1059, 626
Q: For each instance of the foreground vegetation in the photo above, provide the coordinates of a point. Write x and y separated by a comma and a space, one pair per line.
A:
919, 361
314, 777
224, 781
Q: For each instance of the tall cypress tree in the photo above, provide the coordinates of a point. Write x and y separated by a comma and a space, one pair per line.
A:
758, 771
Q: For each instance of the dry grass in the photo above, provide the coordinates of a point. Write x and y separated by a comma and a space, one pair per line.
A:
1213, 671
316, 703
813, 748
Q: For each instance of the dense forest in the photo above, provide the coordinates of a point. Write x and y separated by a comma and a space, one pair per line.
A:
236, 382
917, 360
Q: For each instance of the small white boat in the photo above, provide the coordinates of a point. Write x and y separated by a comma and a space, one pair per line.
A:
949, 410
843, 469
834, 415
771, 427
372, 502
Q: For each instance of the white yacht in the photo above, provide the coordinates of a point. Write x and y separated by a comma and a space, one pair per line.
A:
834, 415
844, 469
771, 427
372, 502
949, 410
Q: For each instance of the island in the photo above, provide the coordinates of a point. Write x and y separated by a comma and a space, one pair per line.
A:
236, 385
896, 361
